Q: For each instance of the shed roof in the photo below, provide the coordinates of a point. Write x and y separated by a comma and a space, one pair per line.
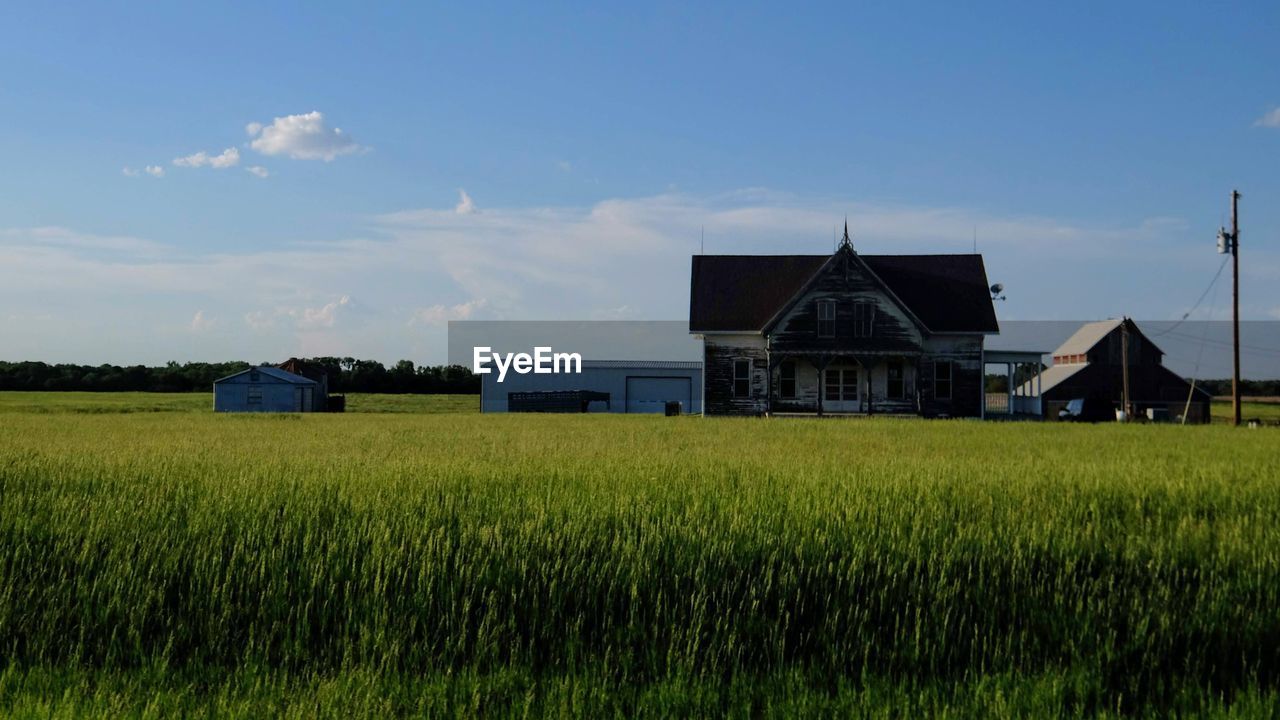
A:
1051, 377
728, 293
272, 372
1089, 334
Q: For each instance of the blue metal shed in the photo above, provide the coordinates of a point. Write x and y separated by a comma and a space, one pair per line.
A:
633, 386
264, 389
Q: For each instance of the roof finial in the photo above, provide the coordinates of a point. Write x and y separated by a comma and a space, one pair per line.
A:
846, 241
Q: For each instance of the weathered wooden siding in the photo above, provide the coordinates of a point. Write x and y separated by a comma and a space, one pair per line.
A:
846, 281
880, 400
965, 354
963, 351
895, 335
807, 389
719, 354
808, 386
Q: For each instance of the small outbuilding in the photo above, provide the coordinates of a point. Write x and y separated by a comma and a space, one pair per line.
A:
264, 389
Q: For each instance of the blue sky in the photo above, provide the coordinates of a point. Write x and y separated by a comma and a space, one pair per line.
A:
1090, 146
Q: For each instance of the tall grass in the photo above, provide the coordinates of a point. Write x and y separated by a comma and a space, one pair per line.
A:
1123, 567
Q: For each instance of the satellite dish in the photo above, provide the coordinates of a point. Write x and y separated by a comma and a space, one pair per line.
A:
997, 289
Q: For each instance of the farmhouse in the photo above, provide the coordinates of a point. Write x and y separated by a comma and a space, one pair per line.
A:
842, 333
1090, 365
264, 389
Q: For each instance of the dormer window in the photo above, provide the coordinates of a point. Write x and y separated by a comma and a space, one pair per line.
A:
826, 318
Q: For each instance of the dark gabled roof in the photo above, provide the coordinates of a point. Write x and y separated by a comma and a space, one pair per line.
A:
742, 292
949, 293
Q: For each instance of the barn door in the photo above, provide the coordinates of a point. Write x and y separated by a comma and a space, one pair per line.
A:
297, 399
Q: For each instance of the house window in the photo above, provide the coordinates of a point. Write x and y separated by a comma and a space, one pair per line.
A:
787, 379
942, 380
253, 376
741, 378
826, 318
255, 394
864, 315
841, 385
897, 388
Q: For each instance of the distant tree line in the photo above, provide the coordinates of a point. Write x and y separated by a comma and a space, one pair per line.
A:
352, 375
345, 375
1252, 388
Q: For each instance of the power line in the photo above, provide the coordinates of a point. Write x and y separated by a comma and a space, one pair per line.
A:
1226, 343
1187, 314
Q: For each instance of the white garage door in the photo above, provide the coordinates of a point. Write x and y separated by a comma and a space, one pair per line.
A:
650, 394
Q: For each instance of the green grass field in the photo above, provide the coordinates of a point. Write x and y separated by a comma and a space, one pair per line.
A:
427, 563
1268, 412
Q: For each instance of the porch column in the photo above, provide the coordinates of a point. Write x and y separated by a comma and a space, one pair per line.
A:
768, 382
820, 362
1009, 367
1039, 390
919, 393
870, 407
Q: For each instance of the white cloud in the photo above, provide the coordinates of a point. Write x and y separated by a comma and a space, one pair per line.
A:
301, 137
258, 170
152, 170
199, 323
60, 239
260, 320
620, 258
565, 166
229, 158
321, 317
440, 314
465, 206
324, 316
300, 317
1270, 119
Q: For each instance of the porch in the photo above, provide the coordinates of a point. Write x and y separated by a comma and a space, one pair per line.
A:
842, 384
1014, 391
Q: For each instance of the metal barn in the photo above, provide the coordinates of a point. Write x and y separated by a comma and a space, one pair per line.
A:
620, 386
264, 389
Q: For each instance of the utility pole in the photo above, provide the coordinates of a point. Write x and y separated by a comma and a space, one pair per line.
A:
1124, 362
1230, 242
1235, 310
